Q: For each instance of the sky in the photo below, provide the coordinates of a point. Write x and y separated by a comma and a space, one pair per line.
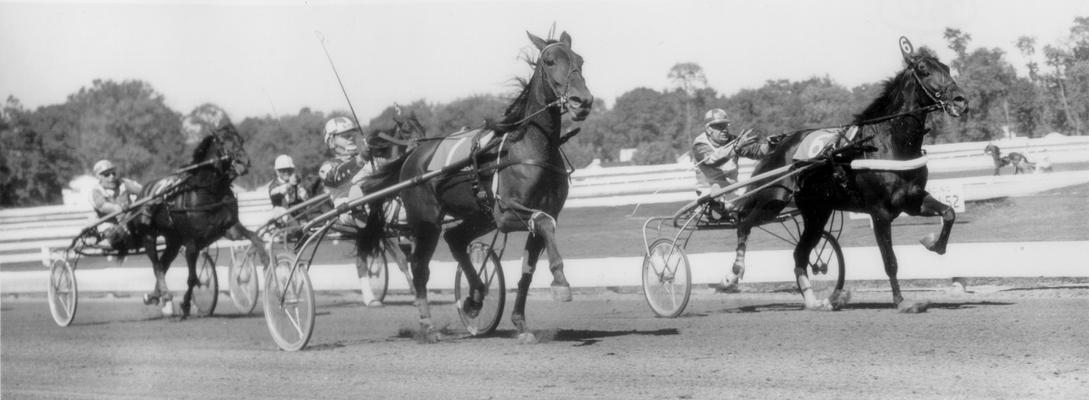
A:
265, 58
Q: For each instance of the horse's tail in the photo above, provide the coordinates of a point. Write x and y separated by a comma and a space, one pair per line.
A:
367, 243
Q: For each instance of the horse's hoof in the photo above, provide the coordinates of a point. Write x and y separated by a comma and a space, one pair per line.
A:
561, 293
930, 241
915, 308
839, 299
150, 300
527, 338
729, 284
819, 305
469, 307
427, 337
167, 308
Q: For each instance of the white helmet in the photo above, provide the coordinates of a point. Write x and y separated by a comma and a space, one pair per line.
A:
102, 166
715, 116
284, 161
337, 126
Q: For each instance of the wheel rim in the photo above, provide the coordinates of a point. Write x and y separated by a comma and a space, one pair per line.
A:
378, 271
289, 304
825, 268
62, 292
206, 292
667, 282
244, 283
488, 267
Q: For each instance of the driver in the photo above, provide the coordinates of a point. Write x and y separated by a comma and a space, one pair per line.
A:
112, 194
341, 176
716, 152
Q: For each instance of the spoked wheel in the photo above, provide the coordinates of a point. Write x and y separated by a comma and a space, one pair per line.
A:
289, 303
826, 269
667, 279
378, 268
63, 294
488, 268
242, 275
206, 292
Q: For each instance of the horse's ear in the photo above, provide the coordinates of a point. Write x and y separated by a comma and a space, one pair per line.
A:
565, 38
540, 43
907, 49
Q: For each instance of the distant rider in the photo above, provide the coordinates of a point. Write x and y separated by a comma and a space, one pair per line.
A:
285, 191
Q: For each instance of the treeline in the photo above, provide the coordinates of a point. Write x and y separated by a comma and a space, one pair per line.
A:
129, 122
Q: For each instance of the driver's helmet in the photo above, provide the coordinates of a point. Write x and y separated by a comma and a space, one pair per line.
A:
283, 161
102, 166
715, 116
337, 126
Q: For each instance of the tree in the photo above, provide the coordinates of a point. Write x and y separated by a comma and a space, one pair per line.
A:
129, 123
688, 77
39, 154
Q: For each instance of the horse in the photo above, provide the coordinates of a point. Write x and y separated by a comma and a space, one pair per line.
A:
1019, 161
895, 123
531, 179
198, 208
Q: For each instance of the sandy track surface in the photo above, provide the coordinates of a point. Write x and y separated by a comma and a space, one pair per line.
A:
991, 343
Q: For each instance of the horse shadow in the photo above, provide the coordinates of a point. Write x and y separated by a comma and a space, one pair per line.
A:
781, 307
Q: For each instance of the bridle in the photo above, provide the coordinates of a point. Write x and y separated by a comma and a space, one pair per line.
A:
561, 98
937, 96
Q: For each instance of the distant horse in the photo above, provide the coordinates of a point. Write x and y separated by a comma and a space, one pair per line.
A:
1019, 161
532, 187
896, 121
198, 208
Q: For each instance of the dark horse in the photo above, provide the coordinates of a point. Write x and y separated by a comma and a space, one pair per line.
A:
896, 121
532, 186
198, 208
1019, 161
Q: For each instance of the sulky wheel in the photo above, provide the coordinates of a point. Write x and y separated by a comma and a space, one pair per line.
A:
826, 269
289, 302
206, 292
242, 274
378, 268
667, 279
487, 266
63, 294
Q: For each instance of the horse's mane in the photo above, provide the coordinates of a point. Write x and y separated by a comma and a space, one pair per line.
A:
516, 111
201, 151
892, 91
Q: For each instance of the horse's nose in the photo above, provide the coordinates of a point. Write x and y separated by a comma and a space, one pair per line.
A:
960, 103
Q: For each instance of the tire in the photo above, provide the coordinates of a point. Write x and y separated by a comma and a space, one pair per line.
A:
63, 293
289, 303
488, 267
378, 268
244, 285
826, 268
206, 292
667, 278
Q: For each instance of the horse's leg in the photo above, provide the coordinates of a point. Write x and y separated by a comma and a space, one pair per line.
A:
545, 228
192, 252
160, 294
931, 207
534, 245
730, 280
882, 230
427, 237
814, 219
459, 238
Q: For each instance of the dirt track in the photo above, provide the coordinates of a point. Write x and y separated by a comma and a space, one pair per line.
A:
988, 344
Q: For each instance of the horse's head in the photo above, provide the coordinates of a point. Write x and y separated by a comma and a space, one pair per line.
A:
991, 149
935, 82
562, 70
223, 148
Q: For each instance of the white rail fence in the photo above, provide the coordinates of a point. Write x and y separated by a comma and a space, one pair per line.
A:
24, 232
